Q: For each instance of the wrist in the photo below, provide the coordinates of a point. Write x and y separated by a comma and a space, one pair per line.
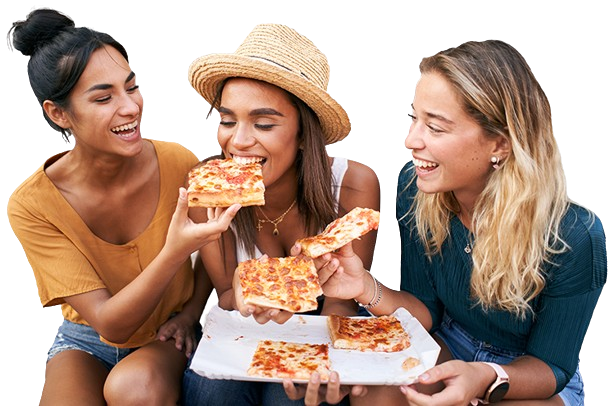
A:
372, 291
498, 385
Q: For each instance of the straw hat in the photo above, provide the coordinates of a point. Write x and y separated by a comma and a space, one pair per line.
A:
281, 56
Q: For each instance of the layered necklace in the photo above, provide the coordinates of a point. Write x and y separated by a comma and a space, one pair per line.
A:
274, 222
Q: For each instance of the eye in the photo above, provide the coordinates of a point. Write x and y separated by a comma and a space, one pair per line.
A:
413, 118
102, 99
227, 123
265, 127
133, 88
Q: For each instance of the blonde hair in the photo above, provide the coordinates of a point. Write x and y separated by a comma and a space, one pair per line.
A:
516, 218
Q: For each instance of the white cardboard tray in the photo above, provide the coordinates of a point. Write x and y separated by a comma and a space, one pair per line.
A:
229, 341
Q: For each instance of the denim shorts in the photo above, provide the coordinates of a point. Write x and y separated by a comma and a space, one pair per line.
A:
73, 336
464, 347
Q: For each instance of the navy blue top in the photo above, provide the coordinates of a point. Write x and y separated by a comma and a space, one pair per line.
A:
563, 309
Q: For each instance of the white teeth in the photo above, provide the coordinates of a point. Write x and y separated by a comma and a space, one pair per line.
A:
125, 127
424, 164
247, 159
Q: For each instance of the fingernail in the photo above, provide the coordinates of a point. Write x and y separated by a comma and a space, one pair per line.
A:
425, 376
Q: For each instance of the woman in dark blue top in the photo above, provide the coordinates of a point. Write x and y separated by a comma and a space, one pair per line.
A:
496, 261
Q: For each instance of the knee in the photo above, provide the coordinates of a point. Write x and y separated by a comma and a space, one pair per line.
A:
140, 386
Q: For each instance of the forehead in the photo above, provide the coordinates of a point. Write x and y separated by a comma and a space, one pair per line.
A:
106, 65
435, 91
251, 91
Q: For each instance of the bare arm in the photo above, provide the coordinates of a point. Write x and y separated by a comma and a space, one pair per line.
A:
117, 317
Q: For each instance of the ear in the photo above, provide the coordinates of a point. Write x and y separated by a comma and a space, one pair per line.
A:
56, 114
502, 148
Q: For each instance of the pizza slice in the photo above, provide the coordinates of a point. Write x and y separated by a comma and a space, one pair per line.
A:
377, 334
356, 223
287, 283
223, 182
281, 359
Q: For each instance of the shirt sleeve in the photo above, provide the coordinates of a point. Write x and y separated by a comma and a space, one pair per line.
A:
60, 269
575, 279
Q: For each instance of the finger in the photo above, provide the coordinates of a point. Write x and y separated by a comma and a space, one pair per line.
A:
359, 390
328, 270
313, 390
333, 393
281, 316
228, 214
295, 250
181, 211
294, 392
179, 341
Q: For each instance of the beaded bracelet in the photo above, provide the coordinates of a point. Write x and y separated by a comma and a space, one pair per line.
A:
377, 294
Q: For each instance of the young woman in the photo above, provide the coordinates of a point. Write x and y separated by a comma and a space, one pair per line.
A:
103, 229
497, 262
274, 109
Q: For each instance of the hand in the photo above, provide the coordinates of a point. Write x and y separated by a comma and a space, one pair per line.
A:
262, 315
180, 329
341, 273
463, 382
315, 393
185, 236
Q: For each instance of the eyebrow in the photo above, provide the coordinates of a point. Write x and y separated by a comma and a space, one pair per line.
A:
437, 116
104, 86
264, 111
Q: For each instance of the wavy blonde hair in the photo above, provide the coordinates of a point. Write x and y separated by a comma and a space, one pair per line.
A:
517, 216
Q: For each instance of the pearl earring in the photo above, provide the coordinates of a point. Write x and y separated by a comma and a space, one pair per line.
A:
495, 162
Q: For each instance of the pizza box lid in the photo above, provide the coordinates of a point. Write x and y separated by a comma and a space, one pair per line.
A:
229, 341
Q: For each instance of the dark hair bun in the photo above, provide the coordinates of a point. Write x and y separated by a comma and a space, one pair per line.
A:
40, 28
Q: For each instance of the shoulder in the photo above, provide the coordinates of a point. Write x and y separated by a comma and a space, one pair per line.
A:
583, 261
581, 229
172, 149
358, 173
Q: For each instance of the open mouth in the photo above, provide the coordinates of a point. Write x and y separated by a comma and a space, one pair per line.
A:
244, 160
125, 130
425, 166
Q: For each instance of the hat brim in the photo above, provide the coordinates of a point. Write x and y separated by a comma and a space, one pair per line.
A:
207, 72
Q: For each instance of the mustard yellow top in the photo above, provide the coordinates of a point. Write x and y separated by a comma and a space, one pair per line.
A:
68, 259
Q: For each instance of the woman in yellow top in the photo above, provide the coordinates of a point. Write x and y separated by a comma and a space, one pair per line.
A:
102, 226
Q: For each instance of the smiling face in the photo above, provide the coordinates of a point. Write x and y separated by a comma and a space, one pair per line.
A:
105, 106
259, 123
451, 151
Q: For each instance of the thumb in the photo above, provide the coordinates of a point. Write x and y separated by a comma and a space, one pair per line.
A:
182, 204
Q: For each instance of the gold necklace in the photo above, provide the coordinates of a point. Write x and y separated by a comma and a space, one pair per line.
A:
274, 222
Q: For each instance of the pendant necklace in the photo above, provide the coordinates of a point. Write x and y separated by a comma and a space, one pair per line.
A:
274, 222
469, 246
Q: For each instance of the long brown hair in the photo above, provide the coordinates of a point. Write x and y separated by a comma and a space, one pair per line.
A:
315, 200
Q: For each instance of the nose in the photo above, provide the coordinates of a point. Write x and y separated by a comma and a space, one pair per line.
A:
242, 137
131, 104
414, 139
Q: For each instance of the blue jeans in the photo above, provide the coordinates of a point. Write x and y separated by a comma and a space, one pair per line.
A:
199, 390
464, 347
73, 336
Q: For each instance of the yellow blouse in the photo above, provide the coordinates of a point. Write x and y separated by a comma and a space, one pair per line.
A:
68, 259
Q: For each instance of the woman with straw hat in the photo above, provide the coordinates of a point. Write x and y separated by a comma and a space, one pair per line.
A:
274, 109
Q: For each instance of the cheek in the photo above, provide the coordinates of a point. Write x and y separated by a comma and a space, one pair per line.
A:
222, 137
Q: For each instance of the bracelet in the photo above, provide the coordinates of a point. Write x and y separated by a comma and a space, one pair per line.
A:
377, 294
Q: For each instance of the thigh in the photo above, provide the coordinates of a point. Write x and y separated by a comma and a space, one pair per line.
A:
74, 377
149, 375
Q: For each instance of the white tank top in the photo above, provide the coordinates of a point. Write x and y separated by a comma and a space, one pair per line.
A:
339, 167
